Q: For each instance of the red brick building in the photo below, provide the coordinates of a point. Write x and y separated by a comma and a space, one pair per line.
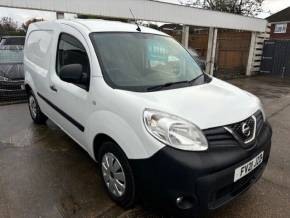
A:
280, 24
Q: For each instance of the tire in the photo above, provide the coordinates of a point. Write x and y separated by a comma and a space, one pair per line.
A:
112, 176
37, 116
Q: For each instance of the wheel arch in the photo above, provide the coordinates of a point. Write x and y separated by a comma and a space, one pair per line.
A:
27, 88
98, 141
29, 83
105, 125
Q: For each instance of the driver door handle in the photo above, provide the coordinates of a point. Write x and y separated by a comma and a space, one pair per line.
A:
53, 88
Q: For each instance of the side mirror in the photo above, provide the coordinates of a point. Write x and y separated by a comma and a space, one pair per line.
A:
71, 73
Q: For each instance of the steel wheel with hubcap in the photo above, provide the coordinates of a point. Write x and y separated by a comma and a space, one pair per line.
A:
32, 106
35, 112
113, 174
117, 174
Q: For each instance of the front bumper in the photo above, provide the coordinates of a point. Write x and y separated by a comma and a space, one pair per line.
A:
205, 179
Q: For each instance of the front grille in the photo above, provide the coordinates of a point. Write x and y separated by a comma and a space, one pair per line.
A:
260, 121
244, 131
219, 138
231, 136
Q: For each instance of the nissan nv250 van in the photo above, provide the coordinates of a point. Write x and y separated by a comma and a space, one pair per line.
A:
159, 127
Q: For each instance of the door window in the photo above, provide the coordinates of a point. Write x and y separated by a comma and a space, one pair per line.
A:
72, 64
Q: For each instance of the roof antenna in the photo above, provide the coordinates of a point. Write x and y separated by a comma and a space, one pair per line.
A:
135, 21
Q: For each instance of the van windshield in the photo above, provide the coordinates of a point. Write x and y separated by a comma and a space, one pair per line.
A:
144, 62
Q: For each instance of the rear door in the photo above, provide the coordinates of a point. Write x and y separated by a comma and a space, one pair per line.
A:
69, 99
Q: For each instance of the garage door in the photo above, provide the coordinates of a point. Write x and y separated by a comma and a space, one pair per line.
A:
276, 58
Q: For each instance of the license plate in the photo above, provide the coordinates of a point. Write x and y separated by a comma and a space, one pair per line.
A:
245, 169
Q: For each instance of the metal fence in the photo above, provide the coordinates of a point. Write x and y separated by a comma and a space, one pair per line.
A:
11, 75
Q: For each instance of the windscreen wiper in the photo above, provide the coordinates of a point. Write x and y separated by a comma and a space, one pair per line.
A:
191, 81
159, 87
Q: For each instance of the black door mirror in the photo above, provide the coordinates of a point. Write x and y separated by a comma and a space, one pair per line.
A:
71, 73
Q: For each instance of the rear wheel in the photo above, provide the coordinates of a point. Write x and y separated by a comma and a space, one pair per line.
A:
117, 174
35, 112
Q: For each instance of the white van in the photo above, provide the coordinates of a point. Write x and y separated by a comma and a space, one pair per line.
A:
139, 104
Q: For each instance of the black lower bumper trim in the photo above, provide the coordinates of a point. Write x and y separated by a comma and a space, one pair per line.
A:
206, 177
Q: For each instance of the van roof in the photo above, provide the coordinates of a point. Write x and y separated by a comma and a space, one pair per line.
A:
99, 25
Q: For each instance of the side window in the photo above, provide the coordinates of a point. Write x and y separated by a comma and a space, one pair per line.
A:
72, 64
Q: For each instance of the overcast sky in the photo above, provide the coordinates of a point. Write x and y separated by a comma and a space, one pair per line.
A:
21, 15
268, 5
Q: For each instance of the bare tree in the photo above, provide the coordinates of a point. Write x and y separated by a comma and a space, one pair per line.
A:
242, 7
9, 27
7, 24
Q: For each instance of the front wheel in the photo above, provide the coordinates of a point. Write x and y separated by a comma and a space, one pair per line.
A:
34, 109
117, 174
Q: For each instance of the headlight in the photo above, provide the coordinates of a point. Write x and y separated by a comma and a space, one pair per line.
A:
174, 131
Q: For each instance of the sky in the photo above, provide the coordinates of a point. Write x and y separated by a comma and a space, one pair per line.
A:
269, 5
21, 15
